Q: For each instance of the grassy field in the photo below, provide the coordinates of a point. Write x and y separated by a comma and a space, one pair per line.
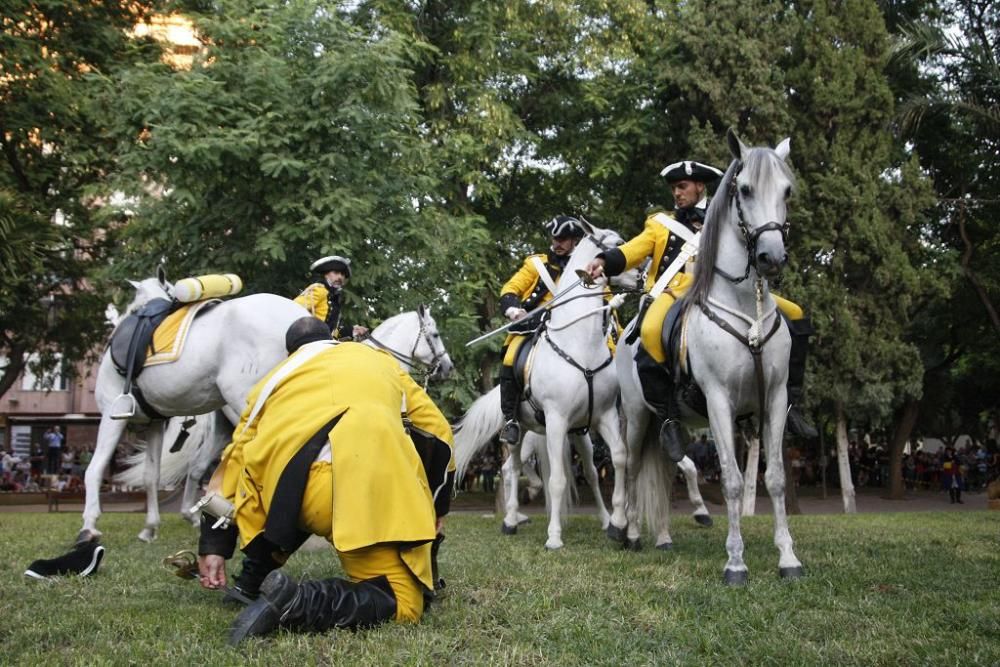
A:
899, 589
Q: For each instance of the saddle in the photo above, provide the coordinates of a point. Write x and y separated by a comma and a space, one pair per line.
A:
131, 339
522, 369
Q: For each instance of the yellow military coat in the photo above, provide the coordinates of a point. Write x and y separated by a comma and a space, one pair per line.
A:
651, 242
314, 299
380, 488
527, 285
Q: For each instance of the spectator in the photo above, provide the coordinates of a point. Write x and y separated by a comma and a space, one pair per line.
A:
54, 441
951, 475
68, 461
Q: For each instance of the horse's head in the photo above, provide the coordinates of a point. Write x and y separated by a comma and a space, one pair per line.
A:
149, 289
596, 240
430, 347
759, 185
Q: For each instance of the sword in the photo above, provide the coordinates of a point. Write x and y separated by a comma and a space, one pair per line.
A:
582, 278
185, 565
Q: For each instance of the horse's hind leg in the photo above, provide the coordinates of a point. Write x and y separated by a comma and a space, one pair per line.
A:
151, 477
789, 565
108, 434
217, 432
700, 513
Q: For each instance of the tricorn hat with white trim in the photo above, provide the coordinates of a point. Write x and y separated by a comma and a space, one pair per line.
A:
689, 170
332, 263
565, 226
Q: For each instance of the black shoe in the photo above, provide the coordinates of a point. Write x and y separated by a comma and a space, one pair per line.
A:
673, 439
264, 615
797, 425
82, 560
511, 432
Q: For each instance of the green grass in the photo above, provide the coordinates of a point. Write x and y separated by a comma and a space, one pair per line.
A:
890, 589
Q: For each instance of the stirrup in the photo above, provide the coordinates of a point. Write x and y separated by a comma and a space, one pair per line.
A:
511, 432
131, 408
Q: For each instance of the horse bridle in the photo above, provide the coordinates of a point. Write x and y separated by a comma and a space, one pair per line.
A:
750, 236
427, 369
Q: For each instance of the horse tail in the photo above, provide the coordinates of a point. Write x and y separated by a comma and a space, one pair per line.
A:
653, 483
173, 465
476, 429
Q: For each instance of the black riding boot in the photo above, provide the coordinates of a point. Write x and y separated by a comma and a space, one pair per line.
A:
315, 606
510, 396
658, 390
261, 558
796, 423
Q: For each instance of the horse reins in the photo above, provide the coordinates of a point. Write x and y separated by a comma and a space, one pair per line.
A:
424, 368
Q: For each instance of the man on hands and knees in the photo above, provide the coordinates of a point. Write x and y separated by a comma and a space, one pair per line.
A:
336, 441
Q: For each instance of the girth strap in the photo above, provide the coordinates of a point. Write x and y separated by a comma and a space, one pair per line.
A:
588, 374
755, 352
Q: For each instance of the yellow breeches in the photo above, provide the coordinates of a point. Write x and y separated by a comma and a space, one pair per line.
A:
513, 343
377, 560
652, 322
650, 332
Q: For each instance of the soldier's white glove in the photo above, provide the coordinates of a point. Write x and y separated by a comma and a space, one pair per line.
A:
514, 313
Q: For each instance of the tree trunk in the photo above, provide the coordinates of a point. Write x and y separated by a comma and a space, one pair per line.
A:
16, 359
844, 463
905, 419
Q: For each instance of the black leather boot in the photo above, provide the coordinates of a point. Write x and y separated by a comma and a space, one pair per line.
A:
658, 390
260, 560
510, 396
315, 606
795, 422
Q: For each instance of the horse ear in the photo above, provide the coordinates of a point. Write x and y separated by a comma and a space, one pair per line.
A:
736, 146
422, 311
161, 275
784, 148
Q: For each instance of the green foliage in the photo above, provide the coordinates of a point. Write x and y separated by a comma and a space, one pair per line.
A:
509, 601
54, 160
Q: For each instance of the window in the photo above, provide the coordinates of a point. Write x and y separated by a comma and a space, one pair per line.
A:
52, 380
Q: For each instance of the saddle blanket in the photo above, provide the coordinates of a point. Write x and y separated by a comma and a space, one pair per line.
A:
169, 338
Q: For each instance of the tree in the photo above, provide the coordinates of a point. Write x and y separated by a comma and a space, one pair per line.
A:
54, 160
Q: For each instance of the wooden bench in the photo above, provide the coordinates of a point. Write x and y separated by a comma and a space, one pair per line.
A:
79, 497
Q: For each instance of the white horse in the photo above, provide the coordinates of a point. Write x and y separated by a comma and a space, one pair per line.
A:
742, 247
572, 385
411, 337
228, 349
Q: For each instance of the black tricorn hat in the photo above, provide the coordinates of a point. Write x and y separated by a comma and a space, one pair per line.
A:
565, 226
689, 170
332, 263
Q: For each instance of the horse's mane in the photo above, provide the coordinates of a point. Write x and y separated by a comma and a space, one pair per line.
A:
761, 162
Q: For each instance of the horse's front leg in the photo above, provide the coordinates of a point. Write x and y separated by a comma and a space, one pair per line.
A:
585, 450
720, 416
151, 478
700, 513
555, 442
789, 566
511, 472
108, 434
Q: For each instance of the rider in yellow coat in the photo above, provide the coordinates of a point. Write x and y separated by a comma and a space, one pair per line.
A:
526, 290
323, 299
688, 181
321, 449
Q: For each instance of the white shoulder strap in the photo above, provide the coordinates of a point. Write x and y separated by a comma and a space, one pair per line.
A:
301, 356
674, 226
543, 274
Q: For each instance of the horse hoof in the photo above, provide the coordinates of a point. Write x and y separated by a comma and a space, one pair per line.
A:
791, 572
735, 577
703, 520
148, 536
633, 545
86, 535
666, 546
616, 534
508, 530
553, 546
